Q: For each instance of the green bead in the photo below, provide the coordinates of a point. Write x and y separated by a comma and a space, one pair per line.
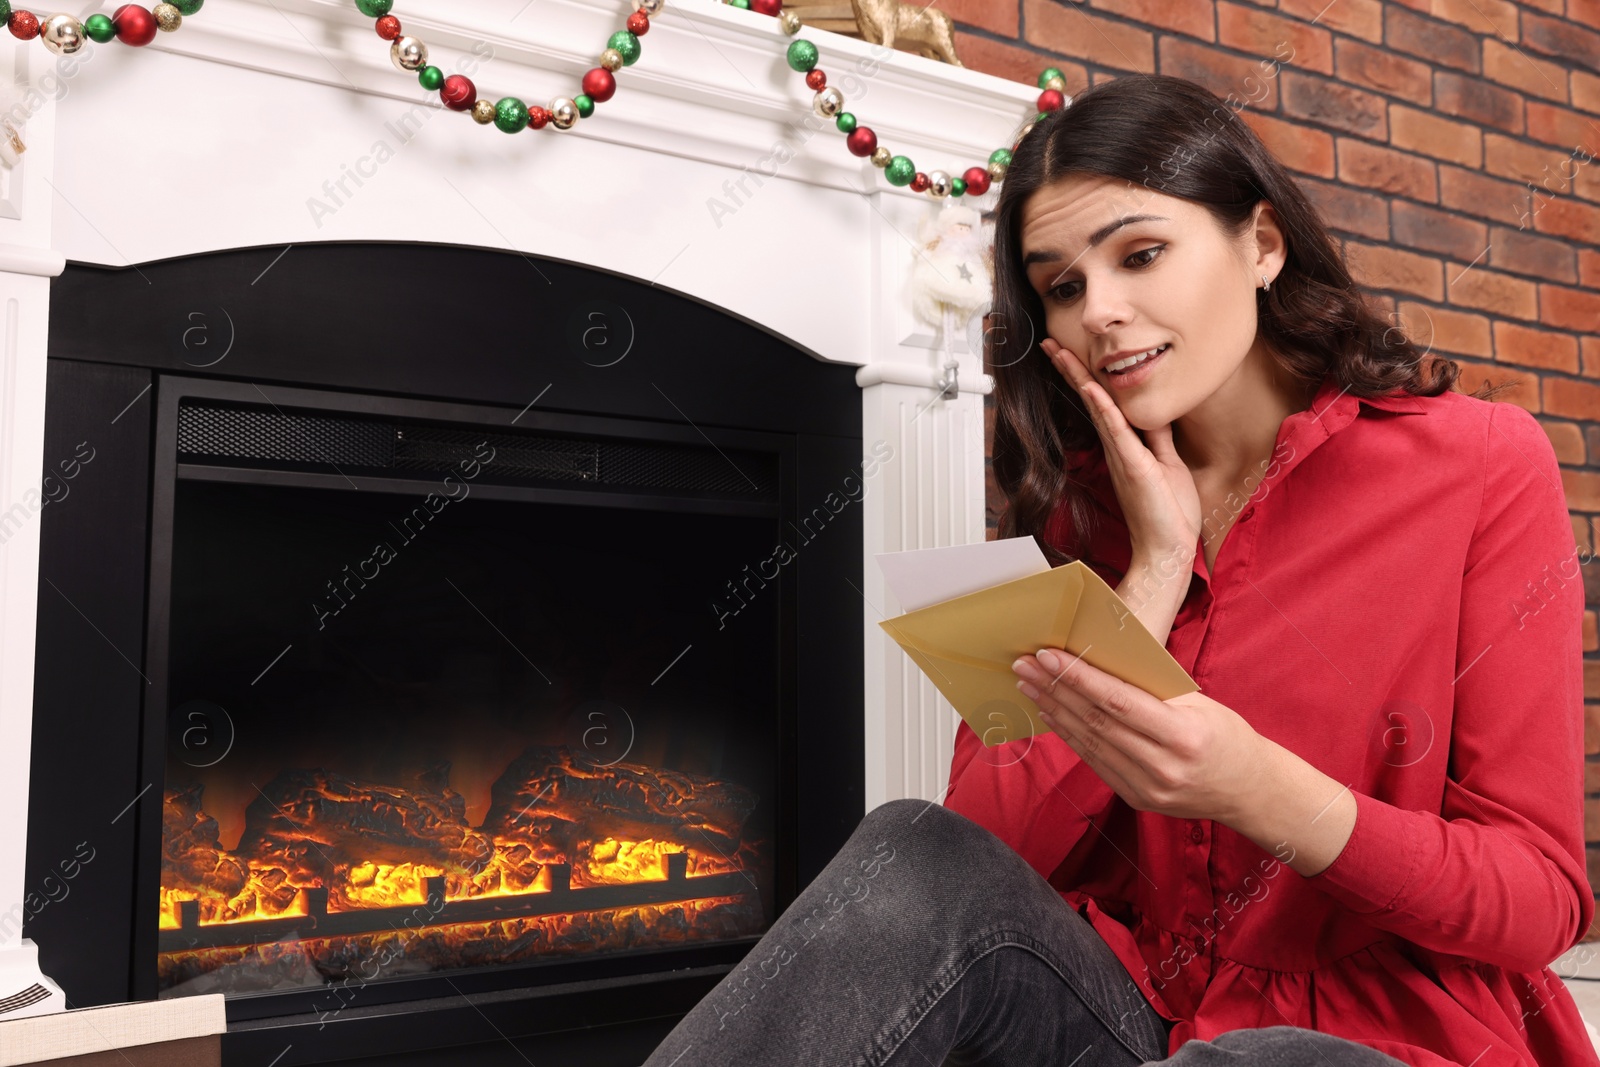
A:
802, 54
846, 122
5, 10
743, 5
99, 28
374, 9
431, 78
185, 7
627, 44
1041, 116
900, 171
510, 114
1001, 155
585, 105
1048, 73
958, 186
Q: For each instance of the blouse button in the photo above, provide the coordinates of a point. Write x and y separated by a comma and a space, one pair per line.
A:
1197, 833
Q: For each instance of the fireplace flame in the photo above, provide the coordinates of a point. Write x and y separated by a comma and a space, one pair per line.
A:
316, 842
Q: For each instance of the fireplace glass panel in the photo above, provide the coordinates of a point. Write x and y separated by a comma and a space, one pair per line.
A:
422, 733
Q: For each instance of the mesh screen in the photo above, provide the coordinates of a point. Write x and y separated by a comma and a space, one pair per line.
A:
238, 435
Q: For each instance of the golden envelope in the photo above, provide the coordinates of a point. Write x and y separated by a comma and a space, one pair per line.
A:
966, 645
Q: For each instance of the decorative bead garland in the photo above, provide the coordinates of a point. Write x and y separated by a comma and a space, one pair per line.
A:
130, 24
512, 115
134, 25
900, 170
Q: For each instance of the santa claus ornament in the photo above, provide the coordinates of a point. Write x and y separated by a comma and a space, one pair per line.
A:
951, 279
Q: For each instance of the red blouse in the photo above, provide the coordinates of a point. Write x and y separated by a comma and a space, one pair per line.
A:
1399, 604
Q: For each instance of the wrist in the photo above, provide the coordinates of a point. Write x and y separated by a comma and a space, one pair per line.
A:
1260, 794
1290, 807
1153, 590
1175, 561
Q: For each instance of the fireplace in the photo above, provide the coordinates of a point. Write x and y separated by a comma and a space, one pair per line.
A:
466, 670
413, 791
699, 280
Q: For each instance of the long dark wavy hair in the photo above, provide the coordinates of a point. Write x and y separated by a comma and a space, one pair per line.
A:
1176, 137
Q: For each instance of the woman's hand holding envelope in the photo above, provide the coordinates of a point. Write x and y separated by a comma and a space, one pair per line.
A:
1154, 487
1189, 757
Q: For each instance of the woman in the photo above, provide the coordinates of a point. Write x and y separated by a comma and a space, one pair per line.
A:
1361, 842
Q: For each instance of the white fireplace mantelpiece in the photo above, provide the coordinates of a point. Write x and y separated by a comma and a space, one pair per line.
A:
280, 122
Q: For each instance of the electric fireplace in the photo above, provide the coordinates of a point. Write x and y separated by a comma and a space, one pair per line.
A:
455, 683
412, 790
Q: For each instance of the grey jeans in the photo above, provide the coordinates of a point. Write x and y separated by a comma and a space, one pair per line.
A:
892, 957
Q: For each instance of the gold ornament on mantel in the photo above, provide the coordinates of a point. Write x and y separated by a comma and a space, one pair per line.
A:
915, 27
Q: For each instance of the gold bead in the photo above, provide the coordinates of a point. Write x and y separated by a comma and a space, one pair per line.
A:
1058, 84
168, 17
483, 112
997, 172
611, 59
790, 22
651, 8
938, 184
563, 113
881, 156
1025, 131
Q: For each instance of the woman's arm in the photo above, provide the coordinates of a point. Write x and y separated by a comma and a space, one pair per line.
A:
1498, 874
1155, 586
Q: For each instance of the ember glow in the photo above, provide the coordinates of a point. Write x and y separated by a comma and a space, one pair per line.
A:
331, 872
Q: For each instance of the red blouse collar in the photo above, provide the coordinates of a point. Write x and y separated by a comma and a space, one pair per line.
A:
1332, 409
1333, 404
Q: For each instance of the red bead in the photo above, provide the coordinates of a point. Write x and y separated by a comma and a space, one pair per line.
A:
638, 24
538, 118
920, 183
816, 80
135, 24
862, 141
24, 25
1051, 100
977, 179
458, 93
388, 27
766, 7
600, 85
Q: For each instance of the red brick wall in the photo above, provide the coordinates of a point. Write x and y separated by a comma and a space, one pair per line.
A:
1450, 144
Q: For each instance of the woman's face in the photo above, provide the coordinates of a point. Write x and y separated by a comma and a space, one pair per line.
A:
1170, 279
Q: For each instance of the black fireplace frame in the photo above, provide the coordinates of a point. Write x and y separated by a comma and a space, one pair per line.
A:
168, 468
122, 355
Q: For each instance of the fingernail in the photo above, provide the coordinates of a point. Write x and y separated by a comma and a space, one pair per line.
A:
1047, 659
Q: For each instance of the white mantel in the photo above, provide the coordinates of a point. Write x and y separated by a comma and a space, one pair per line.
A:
230, 132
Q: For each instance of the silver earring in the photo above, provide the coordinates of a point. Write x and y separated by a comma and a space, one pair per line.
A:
1266, 286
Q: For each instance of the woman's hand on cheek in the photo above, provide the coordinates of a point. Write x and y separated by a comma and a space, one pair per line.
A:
1072, 369
1158, 496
